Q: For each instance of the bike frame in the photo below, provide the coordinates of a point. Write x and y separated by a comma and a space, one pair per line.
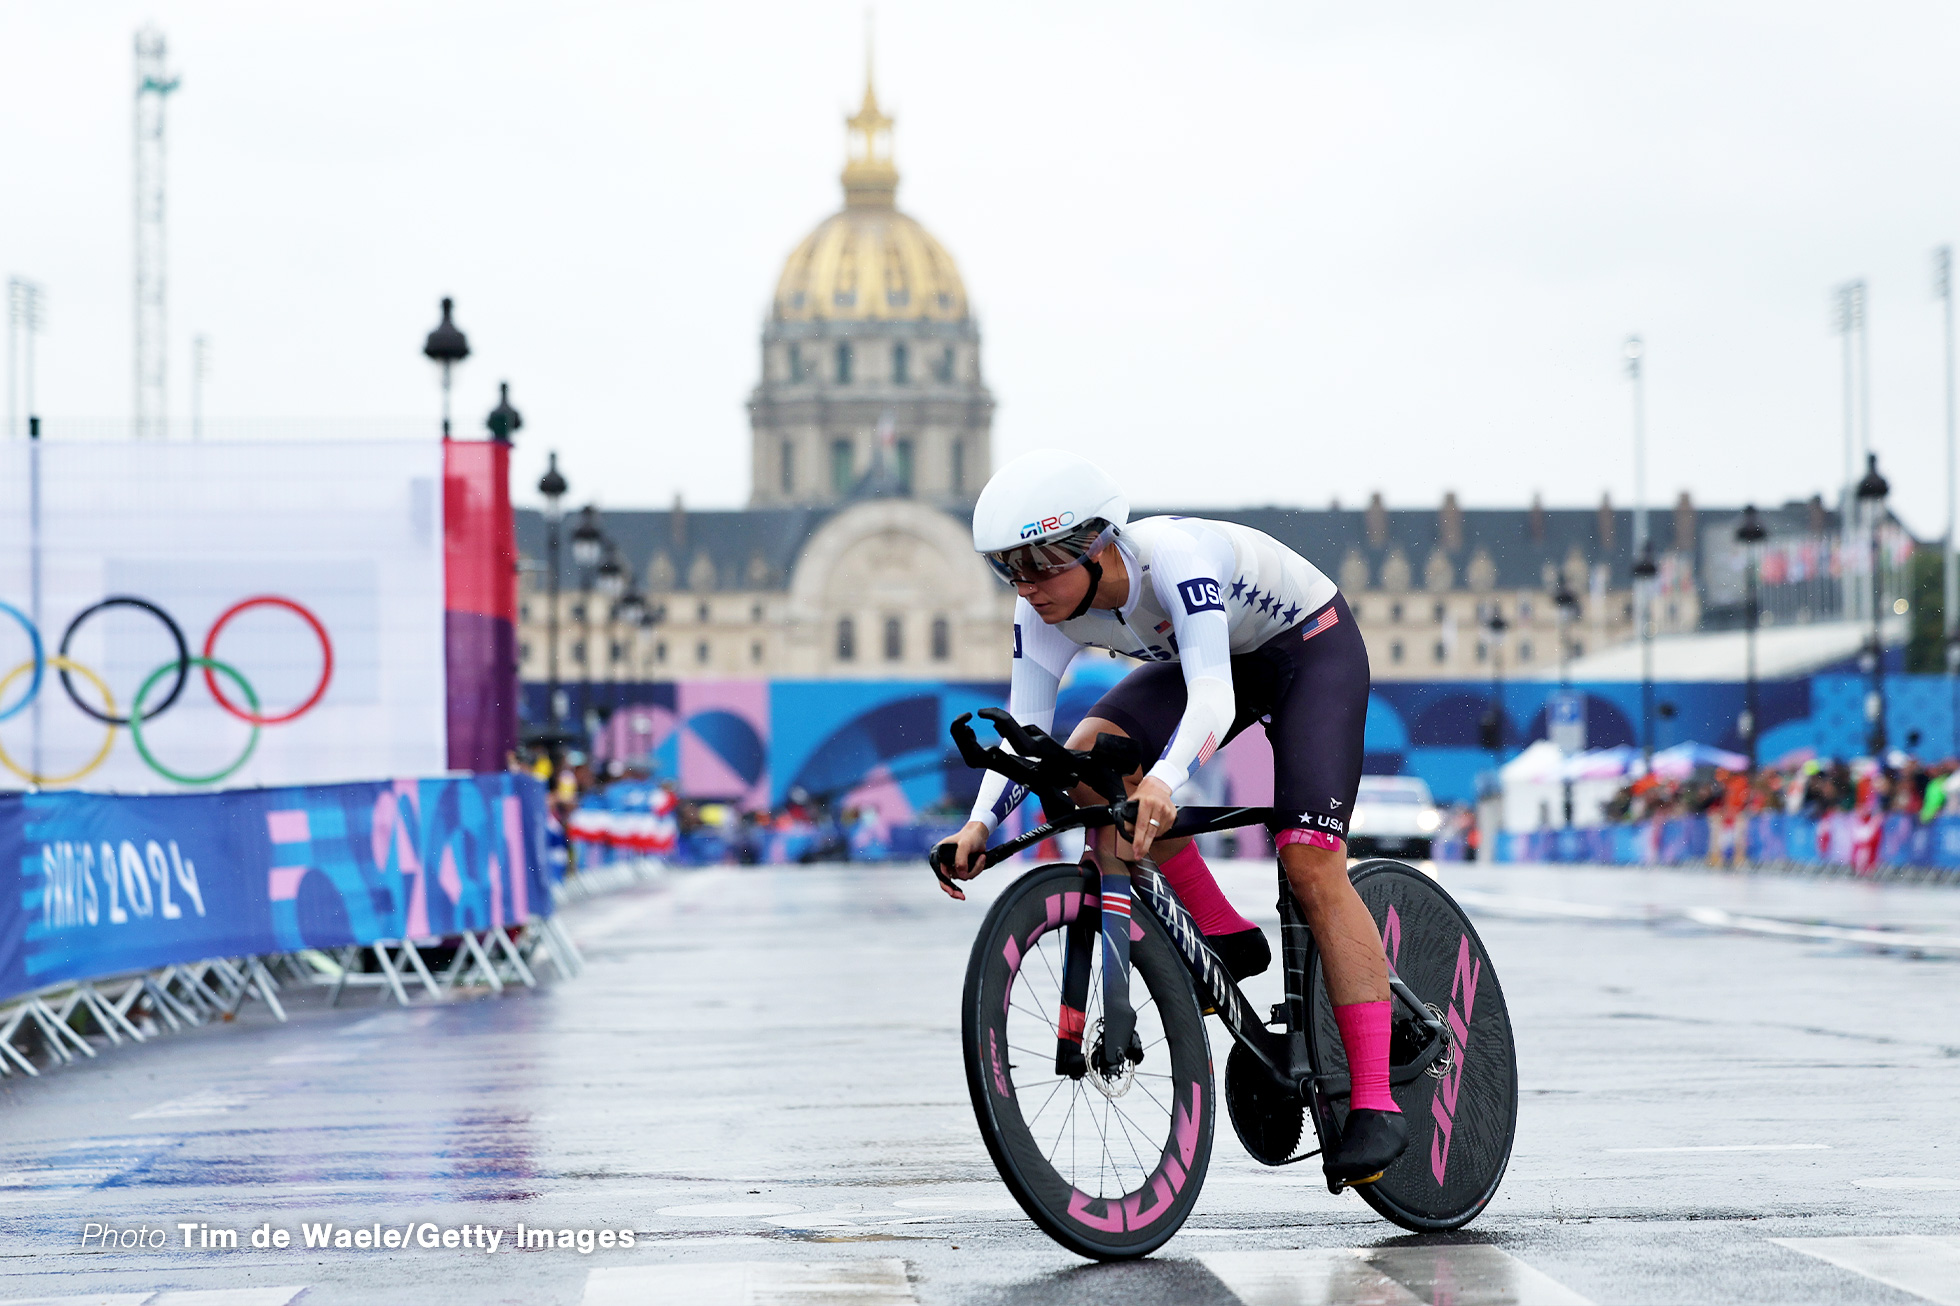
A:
1284, 1055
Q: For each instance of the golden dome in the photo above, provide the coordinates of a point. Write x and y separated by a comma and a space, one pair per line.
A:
870, 262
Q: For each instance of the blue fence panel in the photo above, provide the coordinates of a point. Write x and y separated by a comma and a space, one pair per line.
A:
97, 884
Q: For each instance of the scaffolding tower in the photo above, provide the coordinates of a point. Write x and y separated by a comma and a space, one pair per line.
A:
153, 87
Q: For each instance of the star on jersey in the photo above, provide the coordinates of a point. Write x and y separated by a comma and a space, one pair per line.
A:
1252, 596
1292, 614
1237, 586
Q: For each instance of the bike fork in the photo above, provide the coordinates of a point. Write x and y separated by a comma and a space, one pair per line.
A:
1078, 952
1112, 923
1119, 1019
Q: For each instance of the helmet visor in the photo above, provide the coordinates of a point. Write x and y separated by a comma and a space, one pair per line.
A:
1045, 559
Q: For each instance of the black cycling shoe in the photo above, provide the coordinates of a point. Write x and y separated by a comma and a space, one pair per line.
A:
1244, 954
1369, 1144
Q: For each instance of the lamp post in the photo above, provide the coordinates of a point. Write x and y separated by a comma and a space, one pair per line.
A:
1567, 604
1950, 560
1872, 489
588, 547
1644, 571
504, 421
1497, 626
447, 345
1635, 349
612, 586
552, 486
1750, 535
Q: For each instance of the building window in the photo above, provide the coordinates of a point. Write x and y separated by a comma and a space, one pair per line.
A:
795, 363
755, 614
842, 473
789, 467
701, 652
1355, 608
578, 612
1673, 614
942, 639
1395, 651
901, 365
1440, 611
944, 367
1483, 651
578, 652
701, 613
1524, 651
755, 651
902, 455
1578, 648
846, 640
959, 467
523, 612
524, 652
843, 362
894, 639
1524, 609
618, 652
1442, 654
660, 651
1395, 612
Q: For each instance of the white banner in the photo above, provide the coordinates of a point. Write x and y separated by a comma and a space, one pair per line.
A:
329, 546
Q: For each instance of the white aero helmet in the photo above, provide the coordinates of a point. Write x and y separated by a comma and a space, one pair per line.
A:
1046, 512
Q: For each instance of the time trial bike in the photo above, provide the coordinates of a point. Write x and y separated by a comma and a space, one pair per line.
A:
1104, 1135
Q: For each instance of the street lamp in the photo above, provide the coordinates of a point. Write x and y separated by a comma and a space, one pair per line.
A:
587, 539
446, 345
1567, 604
1644, 571
1494, 719
504, 421
1750, 535
1872, 489
1635, 349
553, 486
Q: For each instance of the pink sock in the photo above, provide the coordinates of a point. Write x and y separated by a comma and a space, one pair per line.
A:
1200, 893
1364, 1033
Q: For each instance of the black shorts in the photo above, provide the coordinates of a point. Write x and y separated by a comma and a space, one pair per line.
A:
1308, 684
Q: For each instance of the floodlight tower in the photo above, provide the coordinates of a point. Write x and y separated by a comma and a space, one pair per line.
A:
153, 87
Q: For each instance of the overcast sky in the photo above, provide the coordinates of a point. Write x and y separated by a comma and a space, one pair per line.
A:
1242, 253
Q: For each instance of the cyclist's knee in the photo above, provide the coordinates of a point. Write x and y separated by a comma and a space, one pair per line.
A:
1313, 870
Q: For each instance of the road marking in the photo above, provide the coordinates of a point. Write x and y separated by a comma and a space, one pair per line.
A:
195, 1297
1462, 1275
211, 1102
752, 1283
1730, 1147
1908, 1184
1922, 1264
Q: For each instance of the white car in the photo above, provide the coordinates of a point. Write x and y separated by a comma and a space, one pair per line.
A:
1394, 816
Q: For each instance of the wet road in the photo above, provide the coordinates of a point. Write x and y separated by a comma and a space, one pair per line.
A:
1731, 1093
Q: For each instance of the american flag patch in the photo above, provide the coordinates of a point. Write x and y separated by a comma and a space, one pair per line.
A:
1322, 622
1163, 626
1116, 904
1211, 746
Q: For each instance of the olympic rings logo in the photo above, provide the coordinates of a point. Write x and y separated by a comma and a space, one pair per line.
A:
178, 669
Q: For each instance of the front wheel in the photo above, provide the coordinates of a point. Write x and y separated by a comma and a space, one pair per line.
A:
1108, 1166
1462, 1110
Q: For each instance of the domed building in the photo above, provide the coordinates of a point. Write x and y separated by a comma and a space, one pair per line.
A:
870, 357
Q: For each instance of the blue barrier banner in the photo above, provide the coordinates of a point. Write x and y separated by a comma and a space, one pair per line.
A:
96, 884
1858, 840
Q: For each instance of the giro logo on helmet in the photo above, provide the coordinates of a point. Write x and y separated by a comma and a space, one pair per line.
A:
1047, 525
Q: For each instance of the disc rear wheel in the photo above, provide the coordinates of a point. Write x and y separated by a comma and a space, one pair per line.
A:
1462, 1110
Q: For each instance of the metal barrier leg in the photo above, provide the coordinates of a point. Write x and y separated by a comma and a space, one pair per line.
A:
515, 958
421, 969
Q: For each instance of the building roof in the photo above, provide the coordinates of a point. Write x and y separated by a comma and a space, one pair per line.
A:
757, 548
1782, 652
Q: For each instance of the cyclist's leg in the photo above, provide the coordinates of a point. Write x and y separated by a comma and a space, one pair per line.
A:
1317, 728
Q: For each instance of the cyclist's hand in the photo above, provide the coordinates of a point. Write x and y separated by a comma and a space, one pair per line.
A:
961, 861
1155, 812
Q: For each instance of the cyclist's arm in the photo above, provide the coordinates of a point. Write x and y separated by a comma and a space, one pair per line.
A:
1191, 575
1041, 655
